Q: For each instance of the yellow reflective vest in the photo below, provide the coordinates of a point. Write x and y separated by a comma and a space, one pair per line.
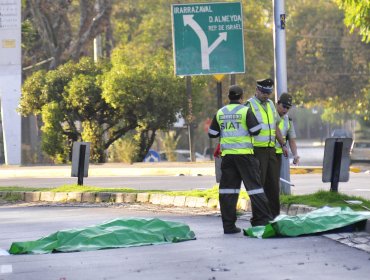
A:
284, 126
235, 138
267, 118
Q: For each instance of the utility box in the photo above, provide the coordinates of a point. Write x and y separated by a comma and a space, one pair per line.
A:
336, 161
80, 159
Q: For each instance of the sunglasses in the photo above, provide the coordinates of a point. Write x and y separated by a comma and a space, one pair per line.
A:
285, 106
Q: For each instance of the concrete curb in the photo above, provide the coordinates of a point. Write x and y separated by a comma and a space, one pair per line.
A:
99, 197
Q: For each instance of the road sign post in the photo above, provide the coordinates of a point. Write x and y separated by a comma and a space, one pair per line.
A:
336, 161
208, 38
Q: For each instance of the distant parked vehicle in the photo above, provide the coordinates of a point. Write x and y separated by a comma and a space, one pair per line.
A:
360, 151
182, 156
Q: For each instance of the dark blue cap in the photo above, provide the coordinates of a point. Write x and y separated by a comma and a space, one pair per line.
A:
265, 85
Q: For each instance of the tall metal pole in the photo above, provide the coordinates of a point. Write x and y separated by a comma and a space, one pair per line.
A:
190, 119
219, 94
281, 74
232, 79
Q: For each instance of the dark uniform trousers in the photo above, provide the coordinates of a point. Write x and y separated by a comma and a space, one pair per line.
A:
270, 176
236, 168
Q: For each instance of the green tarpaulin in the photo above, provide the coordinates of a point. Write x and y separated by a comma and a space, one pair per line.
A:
320, 220
112, 234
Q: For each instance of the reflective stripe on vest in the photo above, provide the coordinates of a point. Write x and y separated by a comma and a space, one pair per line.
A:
284, 126
235, 138
267, 135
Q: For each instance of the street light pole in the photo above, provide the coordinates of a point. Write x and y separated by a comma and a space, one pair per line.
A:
281, 75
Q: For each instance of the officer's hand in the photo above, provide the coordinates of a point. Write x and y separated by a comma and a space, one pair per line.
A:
285, 151
217, 152
296, 160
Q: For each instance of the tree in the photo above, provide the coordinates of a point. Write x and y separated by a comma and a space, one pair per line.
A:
326, 64
70, 102
63, 29
86, 102
357, 15
143, 83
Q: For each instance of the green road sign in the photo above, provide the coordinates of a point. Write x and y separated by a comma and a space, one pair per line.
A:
208, 38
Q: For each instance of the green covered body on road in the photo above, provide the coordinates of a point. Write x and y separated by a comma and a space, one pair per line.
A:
116, 233
320, 220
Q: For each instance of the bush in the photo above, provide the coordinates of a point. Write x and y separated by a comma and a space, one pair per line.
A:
124, 150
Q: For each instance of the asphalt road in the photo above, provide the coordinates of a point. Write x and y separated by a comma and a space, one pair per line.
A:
212, 255
303, 183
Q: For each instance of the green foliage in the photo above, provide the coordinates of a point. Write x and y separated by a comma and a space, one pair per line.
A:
124, 149
12, 196
79, 188
169, 142
357, 15
71, 106
259, 51
29, 35
211, 193
326, 65
141, 85
54, 143
93, 132
33, 97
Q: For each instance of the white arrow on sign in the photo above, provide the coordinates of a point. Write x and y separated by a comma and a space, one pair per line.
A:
205, 50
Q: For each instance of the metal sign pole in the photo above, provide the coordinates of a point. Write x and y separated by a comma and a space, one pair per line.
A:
337, 161
81, 166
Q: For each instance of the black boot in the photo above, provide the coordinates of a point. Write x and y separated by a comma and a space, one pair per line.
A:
232, 231
228, 212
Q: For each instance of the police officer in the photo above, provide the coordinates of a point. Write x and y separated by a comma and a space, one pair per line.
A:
264, 143
286, 127
235, 124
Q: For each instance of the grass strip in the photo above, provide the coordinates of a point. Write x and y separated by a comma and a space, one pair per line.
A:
326, 198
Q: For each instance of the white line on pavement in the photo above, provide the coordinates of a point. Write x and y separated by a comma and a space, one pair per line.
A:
6, 268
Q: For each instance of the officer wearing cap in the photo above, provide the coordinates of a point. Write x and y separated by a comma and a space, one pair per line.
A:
235, 124
264, 143
286, 127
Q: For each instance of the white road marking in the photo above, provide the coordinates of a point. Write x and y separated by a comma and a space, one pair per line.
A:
6, 268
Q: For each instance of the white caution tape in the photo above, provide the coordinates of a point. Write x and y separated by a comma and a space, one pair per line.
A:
6, 268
